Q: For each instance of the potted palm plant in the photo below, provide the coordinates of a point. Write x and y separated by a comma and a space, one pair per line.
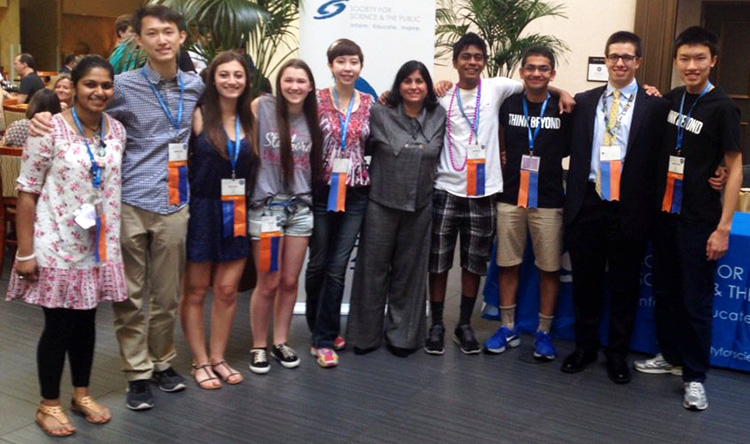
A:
501, 23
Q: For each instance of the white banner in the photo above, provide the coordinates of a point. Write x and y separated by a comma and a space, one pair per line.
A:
390, 33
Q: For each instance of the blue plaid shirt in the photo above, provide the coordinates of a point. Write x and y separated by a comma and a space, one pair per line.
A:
144, 164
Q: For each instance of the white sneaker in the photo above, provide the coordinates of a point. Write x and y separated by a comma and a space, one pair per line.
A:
695, 396
657, 365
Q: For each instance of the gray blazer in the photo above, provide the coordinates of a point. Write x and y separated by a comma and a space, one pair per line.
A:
402, 175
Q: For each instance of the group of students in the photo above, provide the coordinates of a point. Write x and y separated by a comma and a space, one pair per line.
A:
157, 198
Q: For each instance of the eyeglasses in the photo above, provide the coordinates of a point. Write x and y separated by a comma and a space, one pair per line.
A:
626, 58
477, 56
544, 69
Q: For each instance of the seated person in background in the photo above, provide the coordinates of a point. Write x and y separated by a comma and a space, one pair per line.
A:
63, 88
25, 66
18, 131
68, 63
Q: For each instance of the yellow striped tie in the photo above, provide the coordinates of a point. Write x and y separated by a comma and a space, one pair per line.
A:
609, 139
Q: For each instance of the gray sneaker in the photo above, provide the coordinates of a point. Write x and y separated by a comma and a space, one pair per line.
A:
169, 380
695, 396
657, 365
139, 395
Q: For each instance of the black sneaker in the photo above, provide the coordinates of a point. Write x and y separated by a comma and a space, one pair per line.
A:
435, 342
259, 361
464, 336
169, 380
139, 395
285, 355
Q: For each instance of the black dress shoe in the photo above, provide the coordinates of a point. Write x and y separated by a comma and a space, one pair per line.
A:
618, 370
399, 351
578, 360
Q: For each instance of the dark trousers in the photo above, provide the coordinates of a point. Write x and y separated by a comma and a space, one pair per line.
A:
598, 248
683, 283
331, 244
65, 331
391, 269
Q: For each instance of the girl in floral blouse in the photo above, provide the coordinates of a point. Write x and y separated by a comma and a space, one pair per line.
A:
68, 225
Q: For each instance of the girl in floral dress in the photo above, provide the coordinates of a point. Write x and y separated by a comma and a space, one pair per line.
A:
68, 222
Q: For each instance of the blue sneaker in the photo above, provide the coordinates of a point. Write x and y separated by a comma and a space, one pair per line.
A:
543, 348
503, 338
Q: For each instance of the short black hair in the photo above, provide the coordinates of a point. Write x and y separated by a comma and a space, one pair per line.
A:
696, 35
86, 64
469, 39
69, 58
28, 59
624, 37
43, 100
542, 51
161, 12
343, 47
122, 23
395, 98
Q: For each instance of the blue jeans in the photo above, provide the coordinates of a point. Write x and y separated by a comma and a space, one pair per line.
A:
331, 244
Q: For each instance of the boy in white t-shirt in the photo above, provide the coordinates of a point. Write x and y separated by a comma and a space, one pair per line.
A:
468, 177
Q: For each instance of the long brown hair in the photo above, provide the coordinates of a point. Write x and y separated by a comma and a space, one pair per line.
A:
310, 109
213, 125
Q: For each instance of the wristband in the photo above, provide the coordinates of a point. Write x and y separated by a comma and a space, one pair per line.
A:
25, 258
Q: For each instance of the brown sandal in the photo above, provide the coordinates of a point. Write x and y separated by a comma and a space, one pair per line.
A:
55, 412
231, 372
208, 371
90, 409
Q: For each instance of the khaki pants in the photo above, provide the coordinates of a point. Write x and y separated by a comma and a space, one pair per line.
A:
153, 252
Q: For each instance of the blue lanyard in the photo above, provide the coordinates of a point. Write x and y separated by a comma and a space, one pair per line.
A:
344, 124
473, 126
532, 137
180, 105
96, 171
234, 149
680, 125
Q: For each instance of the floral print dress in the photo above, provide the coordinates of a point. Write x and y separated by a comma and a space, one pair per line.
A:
57, 167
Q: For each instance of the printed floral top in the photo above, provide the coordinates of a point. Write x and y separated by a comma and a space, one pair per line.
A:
359, 130
57, 167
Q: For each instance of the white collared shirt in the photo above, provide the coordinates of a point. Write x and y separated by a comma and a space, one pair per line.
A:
623, 131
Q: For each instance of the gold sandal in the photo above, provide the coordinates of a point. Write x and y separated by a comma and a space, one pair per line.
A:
230, 372
55, 412
90, 409
208, 371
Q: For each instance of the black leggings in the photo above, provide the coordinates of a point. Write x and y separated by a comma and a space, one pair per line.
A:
65, 331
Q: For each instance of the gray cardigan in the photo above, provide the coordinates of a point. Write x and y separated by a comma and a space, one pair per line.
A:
402, 176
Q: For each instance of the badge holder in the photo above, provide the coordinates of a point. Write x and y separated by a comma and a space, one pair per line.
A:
610, 169
270, 245
233, 208
337, 192
672, 202
475, 170
528, 188
177, 170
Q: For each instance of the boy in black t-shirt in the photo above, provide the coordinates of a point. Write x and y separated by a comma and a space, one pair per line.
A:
692, 229
533, 140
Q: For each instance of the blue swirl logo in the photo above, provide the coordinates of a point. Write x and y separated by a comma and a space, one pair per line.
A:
330, 9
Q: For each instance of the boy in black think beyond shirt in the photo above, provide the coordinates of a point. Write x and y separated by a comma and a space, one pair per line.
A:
534, 139
692, 228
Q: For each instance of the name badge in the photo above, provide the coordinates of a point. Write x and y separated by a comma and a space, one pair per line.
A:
677, 164
609, 153
85, 216
268, 224
341, 166
530, 163
368, 159
232, 187
178, 152
476, 152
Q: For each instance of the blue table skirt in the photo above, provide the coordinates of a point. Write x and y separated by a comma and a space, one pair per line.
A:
731, 326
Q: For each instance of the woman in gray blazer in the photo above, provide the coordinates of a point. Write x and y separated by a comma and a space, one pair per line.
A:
406, 137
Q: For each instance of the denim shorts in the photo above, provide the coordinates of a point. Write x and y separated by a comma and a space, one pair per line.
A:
293, 216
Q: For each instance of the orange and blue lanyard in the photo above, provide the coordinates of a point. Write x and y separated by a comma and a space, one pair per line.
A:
337, 192
528, 188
